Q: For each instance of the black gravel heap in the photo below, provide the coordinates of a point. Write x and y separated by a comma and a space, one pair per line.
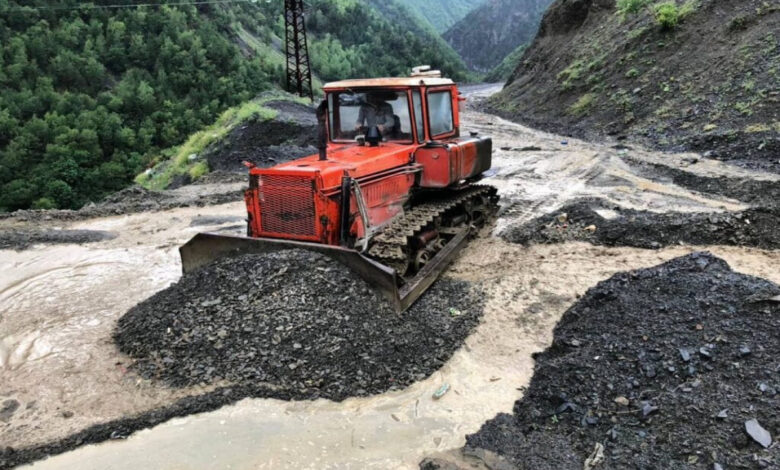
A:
663, 367
297, 323
578, 221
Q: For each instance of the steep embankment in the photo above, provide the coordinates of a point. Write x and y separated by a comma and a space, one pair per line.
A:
699, 75
491, 32
90, 96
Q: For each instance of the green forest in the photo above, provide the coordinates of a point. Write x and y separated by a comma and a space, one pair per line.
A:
90, 95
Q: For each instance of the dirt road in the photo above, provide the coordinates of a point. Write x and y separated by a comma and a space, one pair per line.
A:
58, 305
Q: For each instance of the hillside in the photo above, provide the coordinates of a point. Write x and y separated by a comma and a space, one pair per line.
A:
254, 131
441, 14
494, 30
90, 96
504, 70
700, 75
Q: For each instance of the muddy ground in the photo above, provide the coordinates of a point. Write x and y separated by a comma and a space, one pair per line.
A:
22, 239
664, 367
61, 304
219, 189
748, 190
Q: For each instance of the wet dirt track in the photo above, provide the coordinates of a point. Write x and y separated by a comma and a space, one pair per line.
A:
58, 305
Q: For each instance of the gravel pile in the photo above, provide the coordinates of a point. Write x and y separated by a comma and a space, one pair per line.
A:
672, 367
296, 322
580, 221
291, 134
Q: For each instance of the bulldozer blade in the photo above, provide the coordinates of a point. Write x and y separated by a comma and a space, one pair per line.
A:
416, 286
207, 247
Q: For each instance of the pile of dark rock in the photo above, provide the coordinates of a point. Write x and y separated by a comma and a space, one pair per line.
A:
23, 238
673, 367
296, 323
580, 221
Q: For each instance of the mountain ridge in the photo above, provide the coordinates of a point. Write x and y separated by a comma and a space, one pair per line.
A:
491, 32
441, 14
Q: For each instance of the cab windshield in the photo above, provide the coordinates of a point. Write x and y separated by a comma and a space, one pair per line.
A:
352, 114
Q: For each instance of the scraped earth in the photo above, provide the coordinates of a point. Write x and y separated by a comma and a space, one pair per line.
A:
671, 367
61, 305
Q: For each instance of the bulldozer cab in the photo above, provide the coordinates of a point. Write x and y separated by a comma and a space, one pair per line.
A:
405, 110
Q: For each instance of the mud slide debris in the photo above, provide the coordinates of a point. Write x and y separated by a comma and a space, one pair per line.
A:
25, 238
264, 319
601, 223
666, 367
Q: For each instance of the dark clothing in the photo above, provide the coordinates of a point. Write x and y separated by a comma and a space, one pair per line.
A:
322, 132
372, 115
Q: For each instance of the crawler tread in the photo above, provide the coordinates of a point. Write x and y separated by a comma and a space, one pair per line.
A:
392, 245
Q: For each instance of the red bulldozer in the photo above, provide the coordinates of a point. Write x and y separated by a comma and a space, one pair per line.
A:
392, 193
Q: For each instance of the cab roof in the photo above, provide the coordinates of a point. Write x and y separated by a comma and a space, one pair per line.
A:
388, 82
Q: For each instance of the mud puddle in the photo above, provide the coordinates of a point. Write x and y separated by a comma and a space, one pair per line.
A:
527, 289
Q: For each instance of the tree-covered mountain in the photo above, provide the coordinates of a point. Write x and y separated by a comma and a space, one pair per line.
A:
494, 30
442, 14
90, 95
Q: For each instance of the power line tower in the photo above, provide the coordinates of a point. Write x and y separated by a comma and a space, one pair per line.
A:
298, 69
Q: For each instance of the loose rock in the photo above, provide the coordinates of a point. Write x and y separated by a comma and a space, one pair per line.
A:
758, 433
631, 320
310, 329
644, 229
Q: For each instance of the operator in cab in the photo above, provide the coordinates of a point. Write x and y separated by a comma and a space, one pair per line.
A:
376, 112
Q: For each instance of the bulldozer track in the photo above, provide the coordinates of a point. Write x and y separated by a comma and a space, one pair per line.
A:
390, 246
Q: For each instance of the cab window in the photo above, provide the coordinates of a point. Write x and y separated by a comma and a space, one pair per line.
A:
353, 113
440, 112
418, 115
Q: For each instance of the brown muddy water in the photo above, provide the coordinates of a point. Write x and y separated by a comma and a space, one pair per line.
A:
58, 306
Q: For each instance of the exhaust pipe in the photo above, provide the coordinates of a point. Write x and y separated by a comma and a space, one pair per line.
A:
322, 130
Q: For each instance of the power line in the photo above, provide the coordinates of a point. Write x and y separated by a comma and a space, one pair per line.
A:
125, 5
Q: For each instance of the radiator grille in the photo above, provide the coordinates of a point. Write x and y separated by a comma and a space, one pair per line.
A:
287, 205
